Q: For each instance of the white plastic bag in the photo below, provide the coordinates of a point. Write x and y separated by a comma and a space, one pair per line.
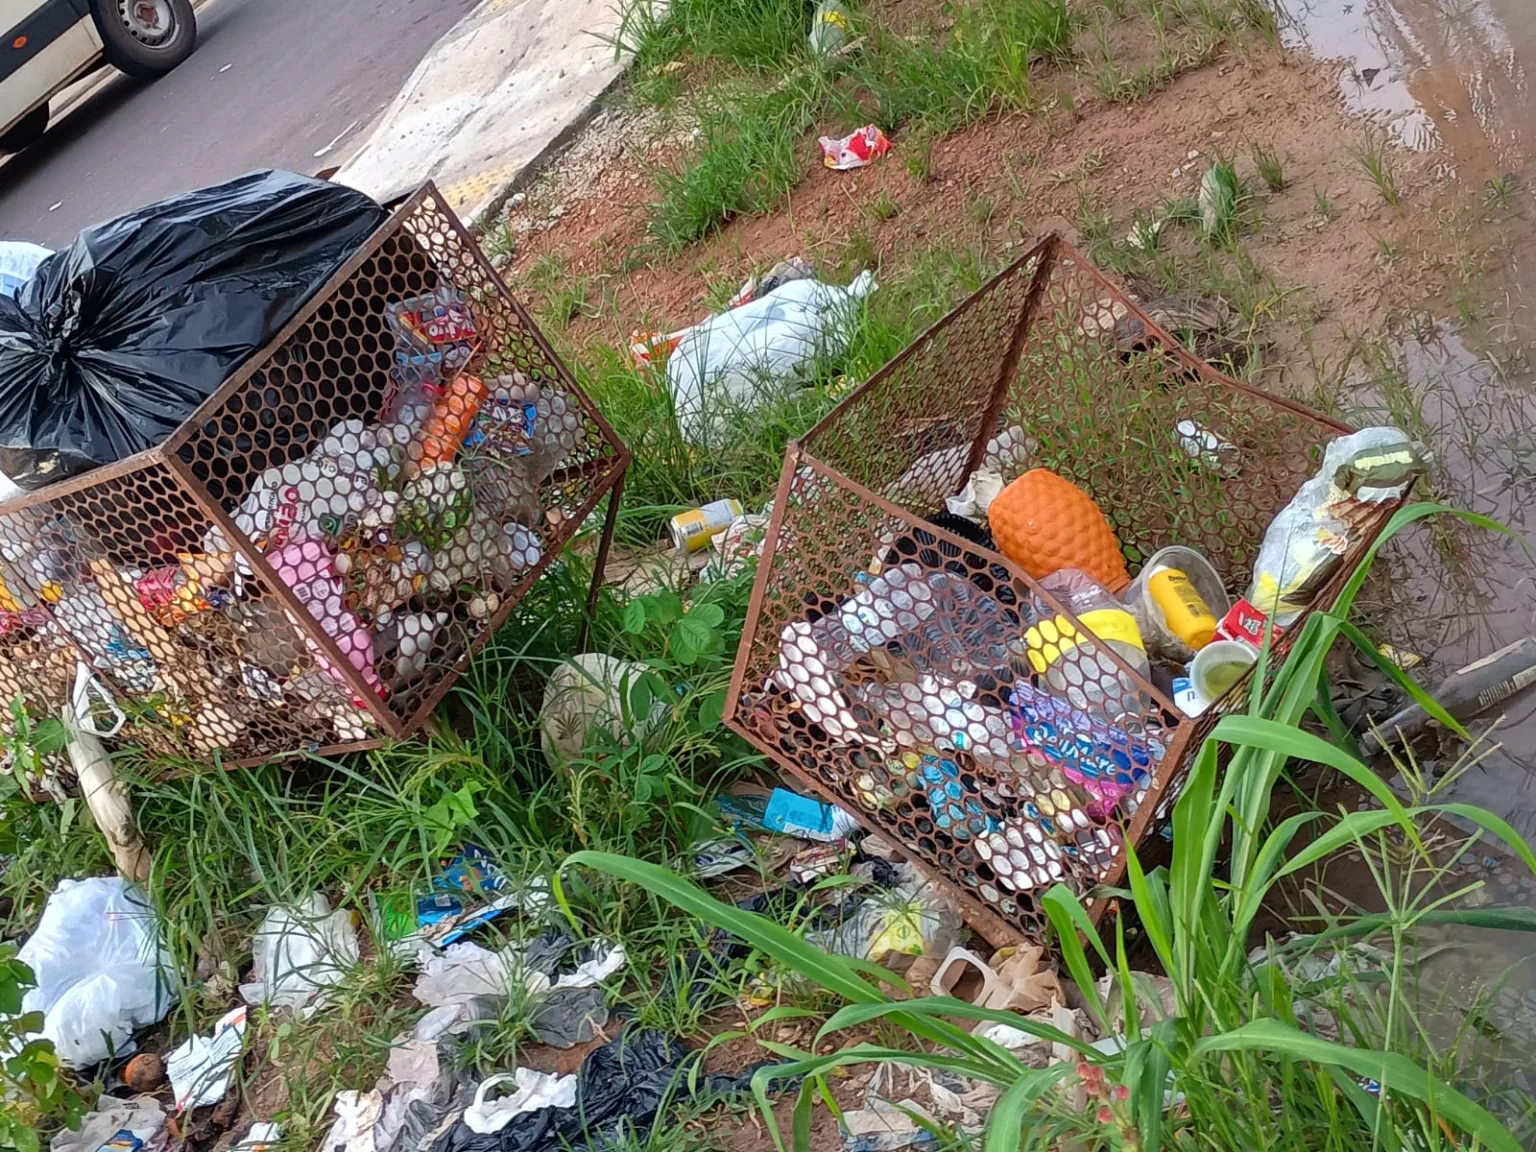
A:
731, 363
101, 970
300, 952
18, 264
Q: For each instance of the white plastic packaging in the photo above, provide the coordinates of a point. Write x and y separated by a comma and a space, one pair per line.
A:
299, 953
1307, 540
102, 972
735, 361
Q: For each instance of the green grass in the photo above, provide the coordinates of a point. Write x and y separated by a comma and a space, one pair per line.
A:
747, 161
1271, 169
1372, 157
755, 35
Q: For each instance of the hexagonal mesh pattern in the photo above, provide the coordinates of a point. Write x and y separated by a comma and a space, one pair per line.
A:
904, 669
310, 559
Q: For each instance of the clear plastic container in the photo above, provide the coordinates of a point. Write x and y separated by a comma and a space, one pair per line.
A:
1161, 636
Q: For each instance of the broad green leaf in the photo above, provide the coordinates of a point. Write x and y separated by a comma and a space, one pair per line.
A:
712, 710
634, 617
1403, 517
854, 1015
709, 615
1005, 1124
1147, 1064
1068, 919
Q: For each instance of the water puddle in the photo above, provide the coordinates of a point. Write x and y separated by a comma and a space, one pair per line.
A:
1455, 592
1445, 74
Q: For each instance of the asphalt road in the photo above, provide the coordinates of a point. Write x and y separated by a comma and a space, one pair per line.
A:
272, 82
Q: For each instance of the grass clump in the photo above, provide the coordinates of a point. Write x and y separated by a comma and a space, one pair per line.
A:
747, 162
754, 35
1271, 169
1372, 156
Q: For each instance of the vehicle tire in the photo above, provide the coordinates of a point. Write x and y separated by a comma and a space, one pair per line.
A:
27, 131
145, 38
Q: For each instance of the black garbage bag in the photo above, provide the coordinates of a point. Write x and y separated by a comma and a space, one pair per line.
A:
625, 1082
117, 339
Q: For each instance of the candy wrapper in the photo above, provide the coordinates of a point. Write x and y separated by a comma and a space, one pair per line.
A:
1105, 761
854, 150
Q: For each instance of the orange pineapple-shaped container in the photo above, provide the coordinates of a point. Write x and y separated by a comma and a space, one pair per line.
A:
1043, 523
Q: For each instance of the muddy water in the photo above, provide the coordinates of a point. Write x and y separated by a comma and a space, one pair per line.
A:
1436, 74
1454, 78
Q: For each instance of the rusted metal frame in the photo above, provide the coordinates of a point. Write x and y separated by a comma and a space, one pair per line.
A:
296, 753
923, 338
977, 912
211, 407
792, 457
568, 379
1009, 368
600, 562
461, 662
307, 626
1172, 347
84, 481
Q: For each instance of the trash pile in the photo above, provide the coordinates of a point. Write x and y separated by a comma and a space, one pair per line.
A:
936, 676
396, 497
775, 332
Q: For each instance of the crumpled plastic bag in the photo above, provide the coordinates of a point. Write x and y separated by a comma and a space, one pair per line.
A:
1306, 541
299, 953
116, 340
730, 364
626, 1081
102, 971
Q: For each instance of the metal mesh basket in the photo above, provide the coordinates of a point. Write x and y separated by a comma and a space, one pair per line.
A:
891, 658
308, 562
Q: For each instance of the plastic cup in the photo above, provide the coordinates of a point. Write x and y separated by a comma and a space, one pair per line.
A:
1218, 666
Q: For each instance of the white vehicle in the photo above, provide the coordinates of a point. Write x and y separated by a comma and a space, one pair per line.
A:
51, 43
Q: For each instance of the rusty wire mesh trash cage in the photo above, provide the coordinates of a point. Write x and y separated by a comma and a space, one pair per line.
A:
308, 562
884, 661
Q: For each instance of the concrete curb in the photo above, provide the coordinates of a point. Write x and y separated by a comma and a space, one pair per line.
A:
492, 103
557, 147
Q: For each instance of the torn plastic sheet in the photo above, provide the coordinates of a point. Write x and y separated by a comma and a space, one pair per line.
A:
200, 1067
533, 1092
141, 1118
572, 1003
299, 953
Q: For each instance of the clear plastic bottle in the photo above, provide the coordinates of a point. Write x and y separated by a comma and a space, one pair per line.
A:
1077, 667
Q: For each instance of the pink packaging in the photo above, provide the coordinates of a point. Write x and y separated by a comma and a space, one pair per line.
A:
307, 566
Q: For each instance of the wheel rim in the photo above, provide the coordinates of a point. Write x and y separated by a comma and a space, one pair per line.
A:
150, 22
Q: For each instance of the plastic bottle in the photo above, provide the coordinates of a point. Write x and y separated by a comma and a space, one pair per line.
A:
1185, 612
445, 429
1096, 684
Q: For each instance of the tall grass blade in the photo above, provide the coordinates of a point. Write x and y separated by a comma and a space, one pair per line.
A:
1393, 1071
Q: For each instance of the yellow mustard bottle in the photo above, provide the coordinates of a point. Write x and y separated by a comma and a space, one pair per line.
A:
1184, 610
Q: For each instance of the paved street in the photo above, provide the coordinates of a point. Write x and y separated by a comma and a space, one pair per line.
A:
272, 82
